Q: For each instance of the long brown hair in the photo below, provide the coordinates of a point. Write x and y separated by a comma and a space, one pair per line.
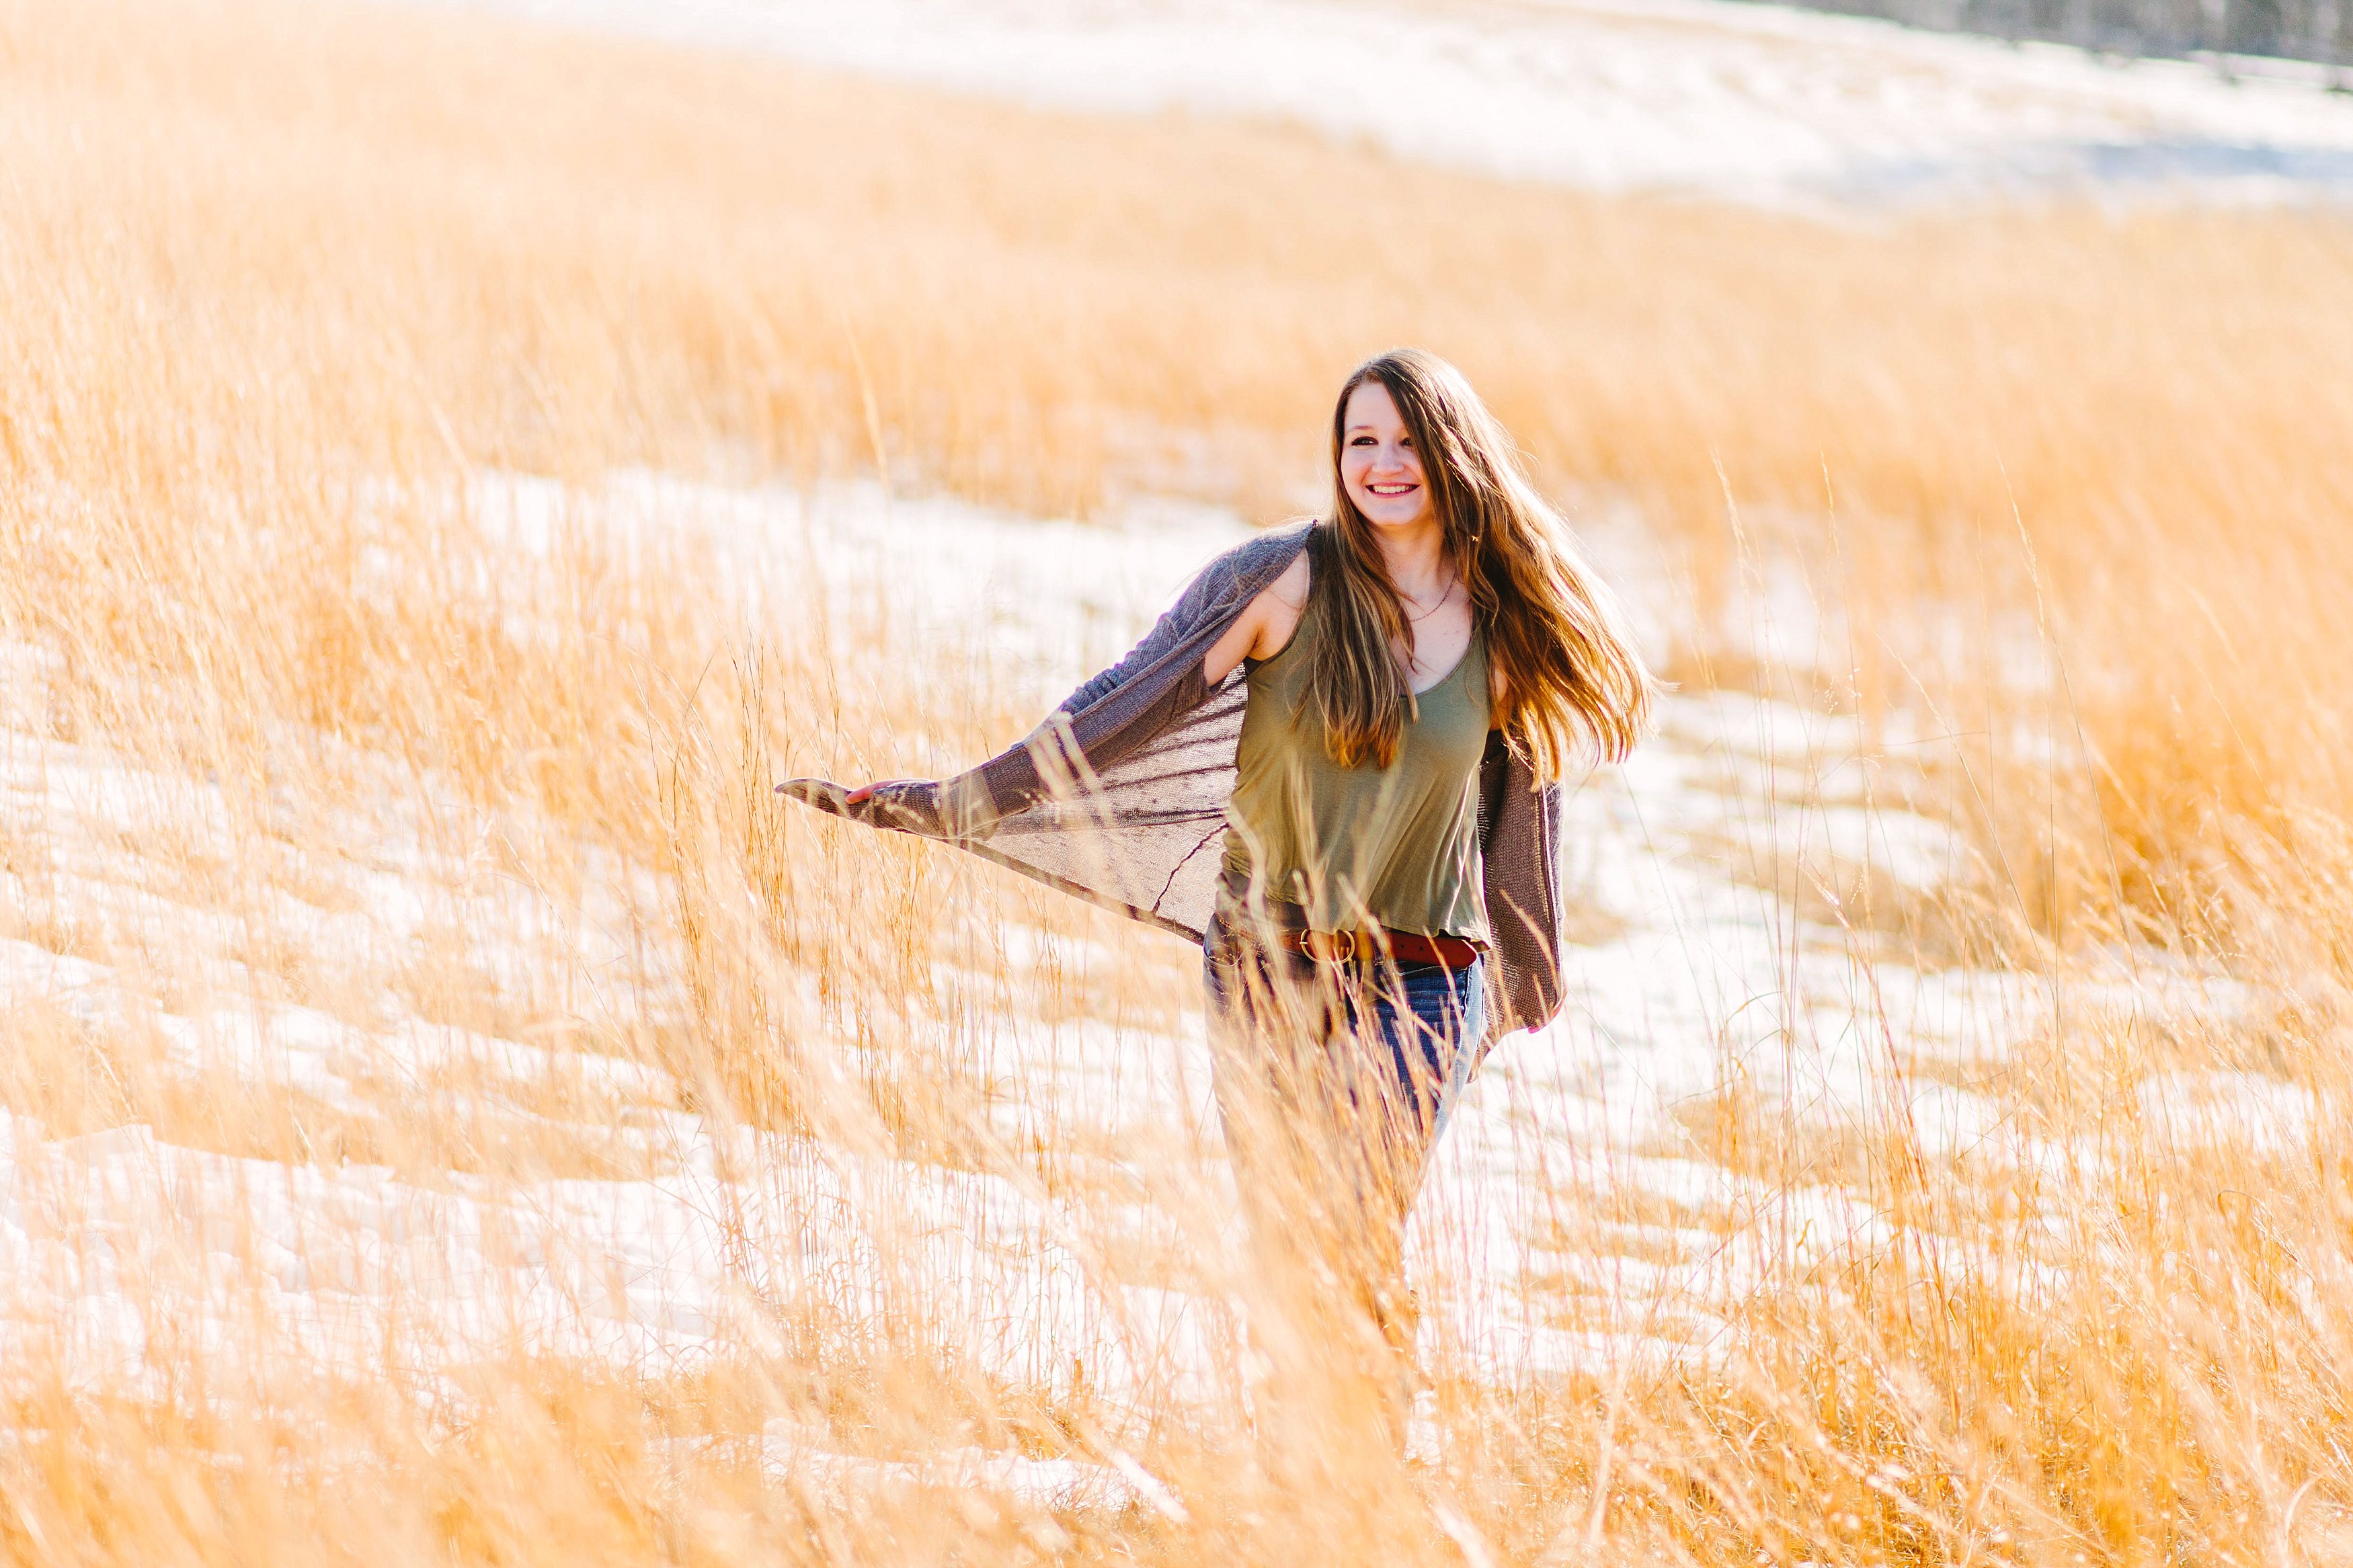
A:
1574, 686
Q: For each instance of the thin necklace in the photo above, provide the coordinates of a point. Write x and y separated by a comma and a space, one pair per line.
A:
1412, 619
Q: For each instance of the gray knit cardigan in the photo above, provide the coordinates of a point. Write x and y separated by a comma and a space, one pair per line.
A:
1120, 796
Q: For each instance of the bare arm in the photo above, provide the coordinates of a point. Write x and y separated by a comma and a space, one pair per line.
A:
1265, 626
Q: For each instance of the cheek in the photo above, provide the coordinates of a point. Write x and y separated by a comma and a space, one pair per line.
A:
1353, 463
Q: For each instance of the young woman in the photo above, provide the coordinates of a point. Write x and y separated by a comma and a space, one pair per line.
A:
1336, 763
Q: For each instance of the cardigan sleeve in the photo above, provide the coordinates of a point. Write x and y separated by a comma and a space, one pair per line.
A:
1519, 831
1118, 797
967, 804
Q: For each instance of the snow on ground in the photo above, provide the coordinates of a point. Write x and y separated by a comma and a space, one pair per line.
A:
1690, 982
1705, 97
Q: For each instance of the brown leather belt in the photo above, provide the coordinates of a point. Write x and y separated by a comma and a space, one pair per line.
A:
1364, 947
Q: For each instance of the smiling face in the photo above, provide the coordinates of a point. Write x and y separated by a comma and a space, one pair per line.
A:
1378, 466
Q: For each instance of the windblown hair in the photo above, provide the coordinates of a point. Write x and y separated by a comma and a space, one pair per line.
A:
1574, 687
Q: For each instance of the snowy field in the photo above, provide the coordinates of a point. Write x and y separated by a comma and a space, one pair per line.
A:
1739, 891
1691, 981
1756, 103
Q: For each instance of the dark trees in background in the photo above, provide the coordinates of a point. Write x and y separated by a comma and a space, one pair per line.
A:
2297, 29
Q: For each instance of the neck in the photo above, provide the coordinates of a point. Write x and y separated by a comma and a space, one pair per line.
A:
1414, 556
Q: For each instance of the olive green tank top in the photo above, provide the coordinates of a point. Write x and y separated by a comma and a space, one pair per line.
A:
1399, 845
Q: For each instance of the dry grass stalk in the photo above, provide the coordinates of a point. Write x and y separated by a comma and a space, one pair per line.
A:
281, 282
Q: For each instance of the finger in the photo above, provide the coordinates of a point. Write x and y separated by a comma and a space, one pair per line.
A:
859, 794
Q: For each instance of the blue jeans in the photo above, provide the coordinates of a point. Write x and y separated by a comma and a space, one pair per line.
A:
1420, 1023
1334, 1082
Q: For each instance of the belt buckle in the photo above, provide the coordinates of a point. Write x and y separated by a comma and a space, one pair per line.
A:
1334, 947
1356, 946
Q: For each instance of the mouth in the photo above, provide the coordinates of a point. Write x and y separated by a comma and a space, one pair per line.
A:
1393, 490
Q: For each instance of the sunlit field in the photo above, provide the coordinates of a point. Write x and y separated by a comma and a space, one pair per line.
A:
455, 1112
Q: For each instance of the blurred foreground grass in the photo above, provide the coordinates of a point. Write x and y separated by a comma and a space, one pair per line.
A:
281, 282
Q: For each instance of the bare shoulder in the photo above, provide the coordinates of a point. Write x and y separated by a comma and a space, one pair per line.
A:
1265, 625
1277, 606
1277, 609
1289, 590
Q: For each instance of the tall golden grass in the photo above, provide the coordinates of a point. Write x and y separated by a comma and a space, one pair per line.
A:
281, 281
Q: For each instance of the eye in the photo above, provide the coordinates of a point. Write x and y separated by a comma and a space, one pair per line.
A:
1360, 441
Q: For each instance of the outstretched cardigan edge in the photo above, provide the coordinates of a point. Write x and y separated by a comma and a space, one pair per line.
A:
1119, 795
